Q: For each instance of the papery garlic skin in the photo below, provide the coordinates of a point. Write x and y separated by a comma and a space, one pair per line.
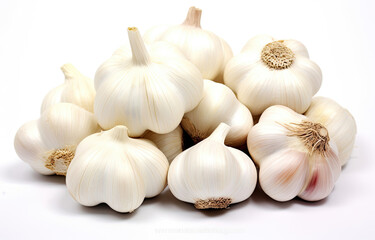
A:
296, 156
48, 144
339, 123
206, 50
77, 89
219, 104
120, 171
273, 72
171, 144
146, 91
212, 175
153, 34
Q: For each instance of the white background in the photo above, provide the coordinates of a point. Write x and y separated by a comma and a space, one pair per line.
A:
37, 37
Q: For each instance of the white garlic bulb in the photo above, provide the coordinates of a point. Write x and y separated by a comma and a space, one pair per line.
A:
219, 104
339, 123
48, 144
206, 50
77, 89
112, 168
171, 144
295, 155
212, 175
273, 72
146, 91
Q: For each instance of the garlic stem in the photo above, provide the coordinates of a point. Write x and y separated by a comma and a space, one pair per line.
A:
220, 133
69, 71
193, 17
119, 133
139, 51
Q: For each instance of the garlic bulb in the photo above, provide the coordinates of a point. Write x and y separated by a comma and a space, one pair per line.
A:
221, 105
48, 144
295, 155
273, 72
212, 175
207, 51
171, 144
77, 89
339, 123
112, 168
146, 91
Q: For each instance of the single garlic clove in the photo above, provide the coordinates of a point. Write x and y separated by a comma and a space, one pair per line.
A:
77, 89
322, 177
211, 175
171, 144
283, 174
112, 168
338, 121
48, 144
220, 103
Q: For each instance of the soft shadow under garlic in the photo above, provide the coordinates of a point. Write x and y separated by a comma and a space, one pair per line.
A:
18, 172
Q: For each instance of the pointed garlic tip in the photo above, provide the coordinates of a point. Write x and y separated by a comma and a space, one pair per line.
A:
119, 133
139, 51
193, 17
69, 71
220, 132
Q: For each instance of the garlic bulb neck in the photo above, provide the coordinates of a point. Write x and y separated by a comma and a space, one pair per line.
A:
220, 133
69, 71
59, 160
119, 133
193, 17
314, 135
217, 203
139, 51
277, 56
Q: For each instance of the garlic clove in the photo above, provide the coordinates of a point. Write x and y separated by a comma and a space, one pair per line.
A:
171, 144
77, 89
322, 177
211, 175
220, 103
283, 174
113, 168
48, 144
339, 122
30, 147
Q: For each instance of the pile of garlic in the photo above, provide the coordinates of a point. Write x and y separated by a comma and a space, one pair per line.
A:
119, 138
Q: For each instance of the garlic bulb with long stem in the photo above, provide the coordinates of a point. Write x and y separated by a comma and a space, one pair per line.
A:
273, 72
171, 144
339, 123
219, 104
147, 90
206, 50
77, 89
212, 175
49, 143
296, 156
113, 168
